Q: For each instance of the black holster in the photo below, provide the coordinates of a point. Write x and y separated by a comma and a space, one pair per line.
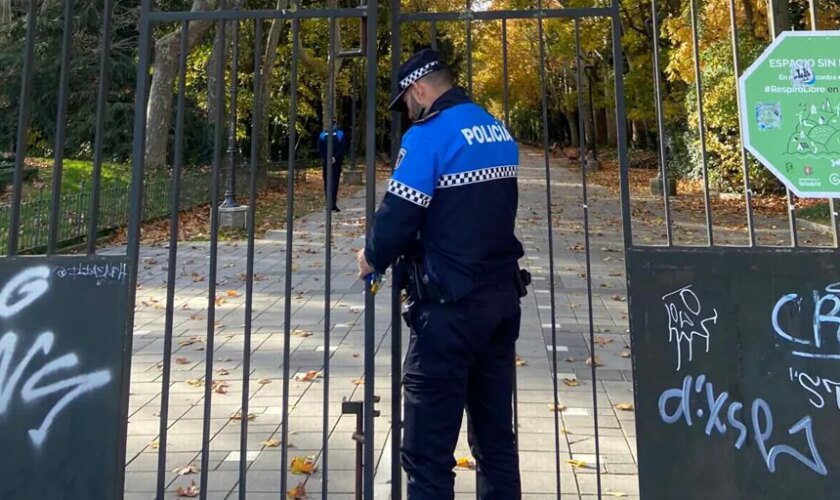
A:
522, 280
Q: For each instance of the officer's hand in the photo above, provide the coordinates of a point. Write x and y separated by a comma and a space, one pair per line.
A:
364, 267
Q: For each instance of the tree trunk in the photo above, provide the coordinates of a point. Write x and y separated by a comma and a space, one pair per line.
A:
275, 33
165, 69
778, 16
211, 69
574, 127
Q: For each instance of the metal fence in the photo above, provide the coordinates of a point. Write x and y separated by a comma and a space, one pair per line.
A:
81, 217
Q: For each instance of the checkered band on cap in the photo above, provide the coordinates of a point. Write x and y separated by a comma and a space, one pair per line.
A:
476, 176
418, 74
409, 193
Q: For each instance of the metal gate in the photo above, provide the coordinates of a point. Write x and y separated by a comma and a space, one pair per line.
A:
259, 367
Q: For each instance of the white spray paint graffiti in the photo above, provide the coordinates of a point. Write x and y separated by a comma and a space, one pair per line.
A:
822, 347
17, 294
685, 321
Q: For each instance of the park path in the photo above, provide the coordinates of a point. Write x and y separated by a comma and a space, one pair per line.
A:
570, 316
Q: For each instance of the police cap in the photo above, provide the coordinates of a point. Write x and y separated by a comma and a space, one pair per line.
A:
419, 65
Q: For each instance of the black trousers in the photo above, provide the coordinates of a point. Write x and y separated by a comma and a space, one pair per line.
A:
336, 177
462, 356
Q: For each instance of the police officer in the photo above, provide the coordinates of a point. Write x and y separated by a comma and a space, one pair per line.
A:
338, 148
449, 213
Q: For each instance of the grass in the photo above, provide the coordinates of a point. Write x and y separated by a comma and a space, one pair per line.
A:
818, 212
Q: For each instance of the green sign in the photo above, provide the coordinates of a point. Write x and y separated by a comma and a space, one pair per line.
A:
790, 111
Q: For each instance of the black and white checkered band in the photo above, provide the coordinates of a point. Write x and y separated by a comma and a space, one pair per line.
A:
418, 74
476, 176
409, 193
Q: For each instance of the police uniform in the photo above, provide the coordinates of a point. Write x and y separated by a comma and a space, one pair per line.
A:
454, 184
338, 148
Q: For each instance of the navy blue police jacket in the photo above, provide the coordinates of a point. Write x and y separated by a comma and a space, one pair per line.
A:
339, 144
454, 184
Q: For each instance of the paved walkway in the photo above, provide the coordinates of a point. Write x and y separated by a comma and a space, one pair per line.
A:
536, 422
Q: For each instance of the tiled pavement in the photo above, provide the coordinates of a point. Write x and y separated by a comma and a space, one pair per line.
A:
535, 385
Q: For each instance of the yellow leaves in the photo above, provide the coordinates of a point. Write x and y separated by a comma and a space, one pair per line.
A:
298, 492
593, 361
578, 464
624, 406
465, 463
190, 491
603, 341
308, 376
303, 465
271, 443
571, 382
232, 293
194, 382
238, 416
556, 408
185, 470
155, 444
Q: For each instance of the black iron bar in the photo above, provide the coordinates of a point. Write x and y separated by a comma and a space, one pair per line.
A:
701, 126
290, 219
593, 364
228, 15
213, 264
660, 122
330, 185
469, 49
101, 103
61, 127
621, 127
172, 264
24, 112
549, 208
249, 263
736, 60
370, 333
491, 15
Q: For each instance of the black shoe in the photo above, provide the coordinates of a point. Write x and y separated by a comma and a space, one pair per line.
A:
336, 209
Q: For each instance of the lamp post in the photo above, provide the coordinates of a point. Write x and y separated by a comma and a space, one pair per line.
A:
230, 188
589, 69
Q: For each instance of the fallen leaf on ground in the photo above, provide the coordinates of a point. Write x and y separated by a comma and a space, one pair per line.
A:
602, 341
196, 317
272, 443
197, 277
571, 382
190, 341
182, 361
615, 494
232, 293
301, 333
360, 380
593, 361
264, 381
520, 361
223, 371
220, 387
619, 298
303, 465
558, 407
220, 300
576, 463
569, 360
195, 382
238, 416
624, 406
155, 444
189, 491
298, 492
625, 354
465, 463
308, 376
187, 469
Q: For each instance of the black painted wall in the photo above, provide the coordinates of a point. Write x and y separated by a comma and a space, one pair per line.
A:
712, 369
62, 335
